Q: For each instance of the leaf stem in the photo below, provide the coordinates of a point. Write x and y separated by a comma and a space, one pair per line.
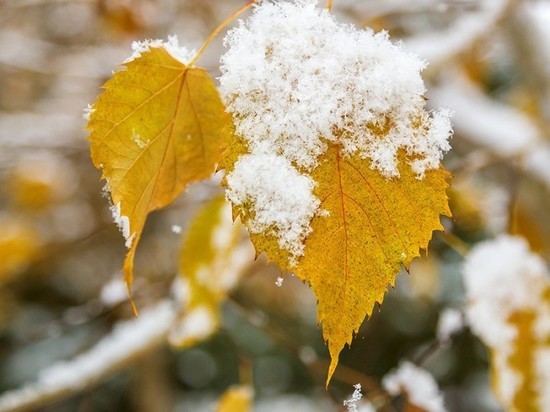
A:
231, 17
329, 5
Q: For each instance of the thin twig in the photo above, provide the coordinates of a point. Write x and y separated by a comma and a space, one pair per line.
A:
224, 23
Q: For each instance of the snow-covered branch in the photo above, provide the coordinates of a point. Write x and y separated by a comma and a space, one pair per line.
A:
441, 46
128, 341
500, 128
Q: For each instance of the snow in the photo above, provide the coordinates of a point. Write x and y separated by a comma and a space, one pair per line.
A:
87, 112
279, 281
419, 386
280, 198
233, 253
123, 223
114, 292
503, 129
197, 324
502, 277
451, 321
225, 231
440, 46
182, 54
177, 229
365, 407
128, 339
351, 404
538, 13
294, 78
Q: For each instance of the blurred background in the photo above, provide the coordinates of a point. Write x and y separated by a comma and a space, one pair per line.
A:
60, 253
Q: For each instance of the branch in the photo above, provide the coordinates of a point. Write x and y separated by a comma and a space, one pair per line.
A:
502, 129
128, 342
438, 47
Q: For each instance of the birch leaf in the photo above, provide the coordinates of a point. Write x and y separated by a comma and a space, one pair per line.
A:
369, 227
157, 127
374, 226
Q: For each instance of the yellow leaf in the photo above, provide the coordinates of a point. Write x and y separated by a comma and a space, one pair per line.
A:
214, 256
371, 226
236, 399
374, 226
521, 361
157, 127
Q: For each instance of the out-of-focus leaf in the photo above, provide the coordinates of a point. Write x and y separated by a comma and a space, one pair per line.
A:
213, 258
19, 245
236, 399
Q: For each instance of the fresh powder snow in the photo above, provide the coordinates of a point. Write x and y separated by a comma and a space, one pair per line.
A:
180, 53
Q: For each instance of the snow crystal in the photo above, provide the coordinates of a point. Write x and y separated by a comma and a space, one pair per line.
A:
281, 199
172, 46
420, 387
294, 78
450, 322
351, 404
177, 229
87, 112
123, 224
279, 281
127, 339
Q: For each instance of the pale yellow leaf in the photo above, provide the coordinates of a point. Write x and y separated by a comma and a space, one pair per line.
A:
214, 256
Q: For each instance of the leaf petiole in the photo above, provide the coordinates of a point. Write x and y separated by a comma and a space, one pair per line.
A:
231, 17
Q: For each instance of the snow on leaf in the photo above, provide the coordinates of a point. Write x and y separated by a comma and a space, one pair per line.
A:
335, 165
508, 290
213, 258
157, 127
